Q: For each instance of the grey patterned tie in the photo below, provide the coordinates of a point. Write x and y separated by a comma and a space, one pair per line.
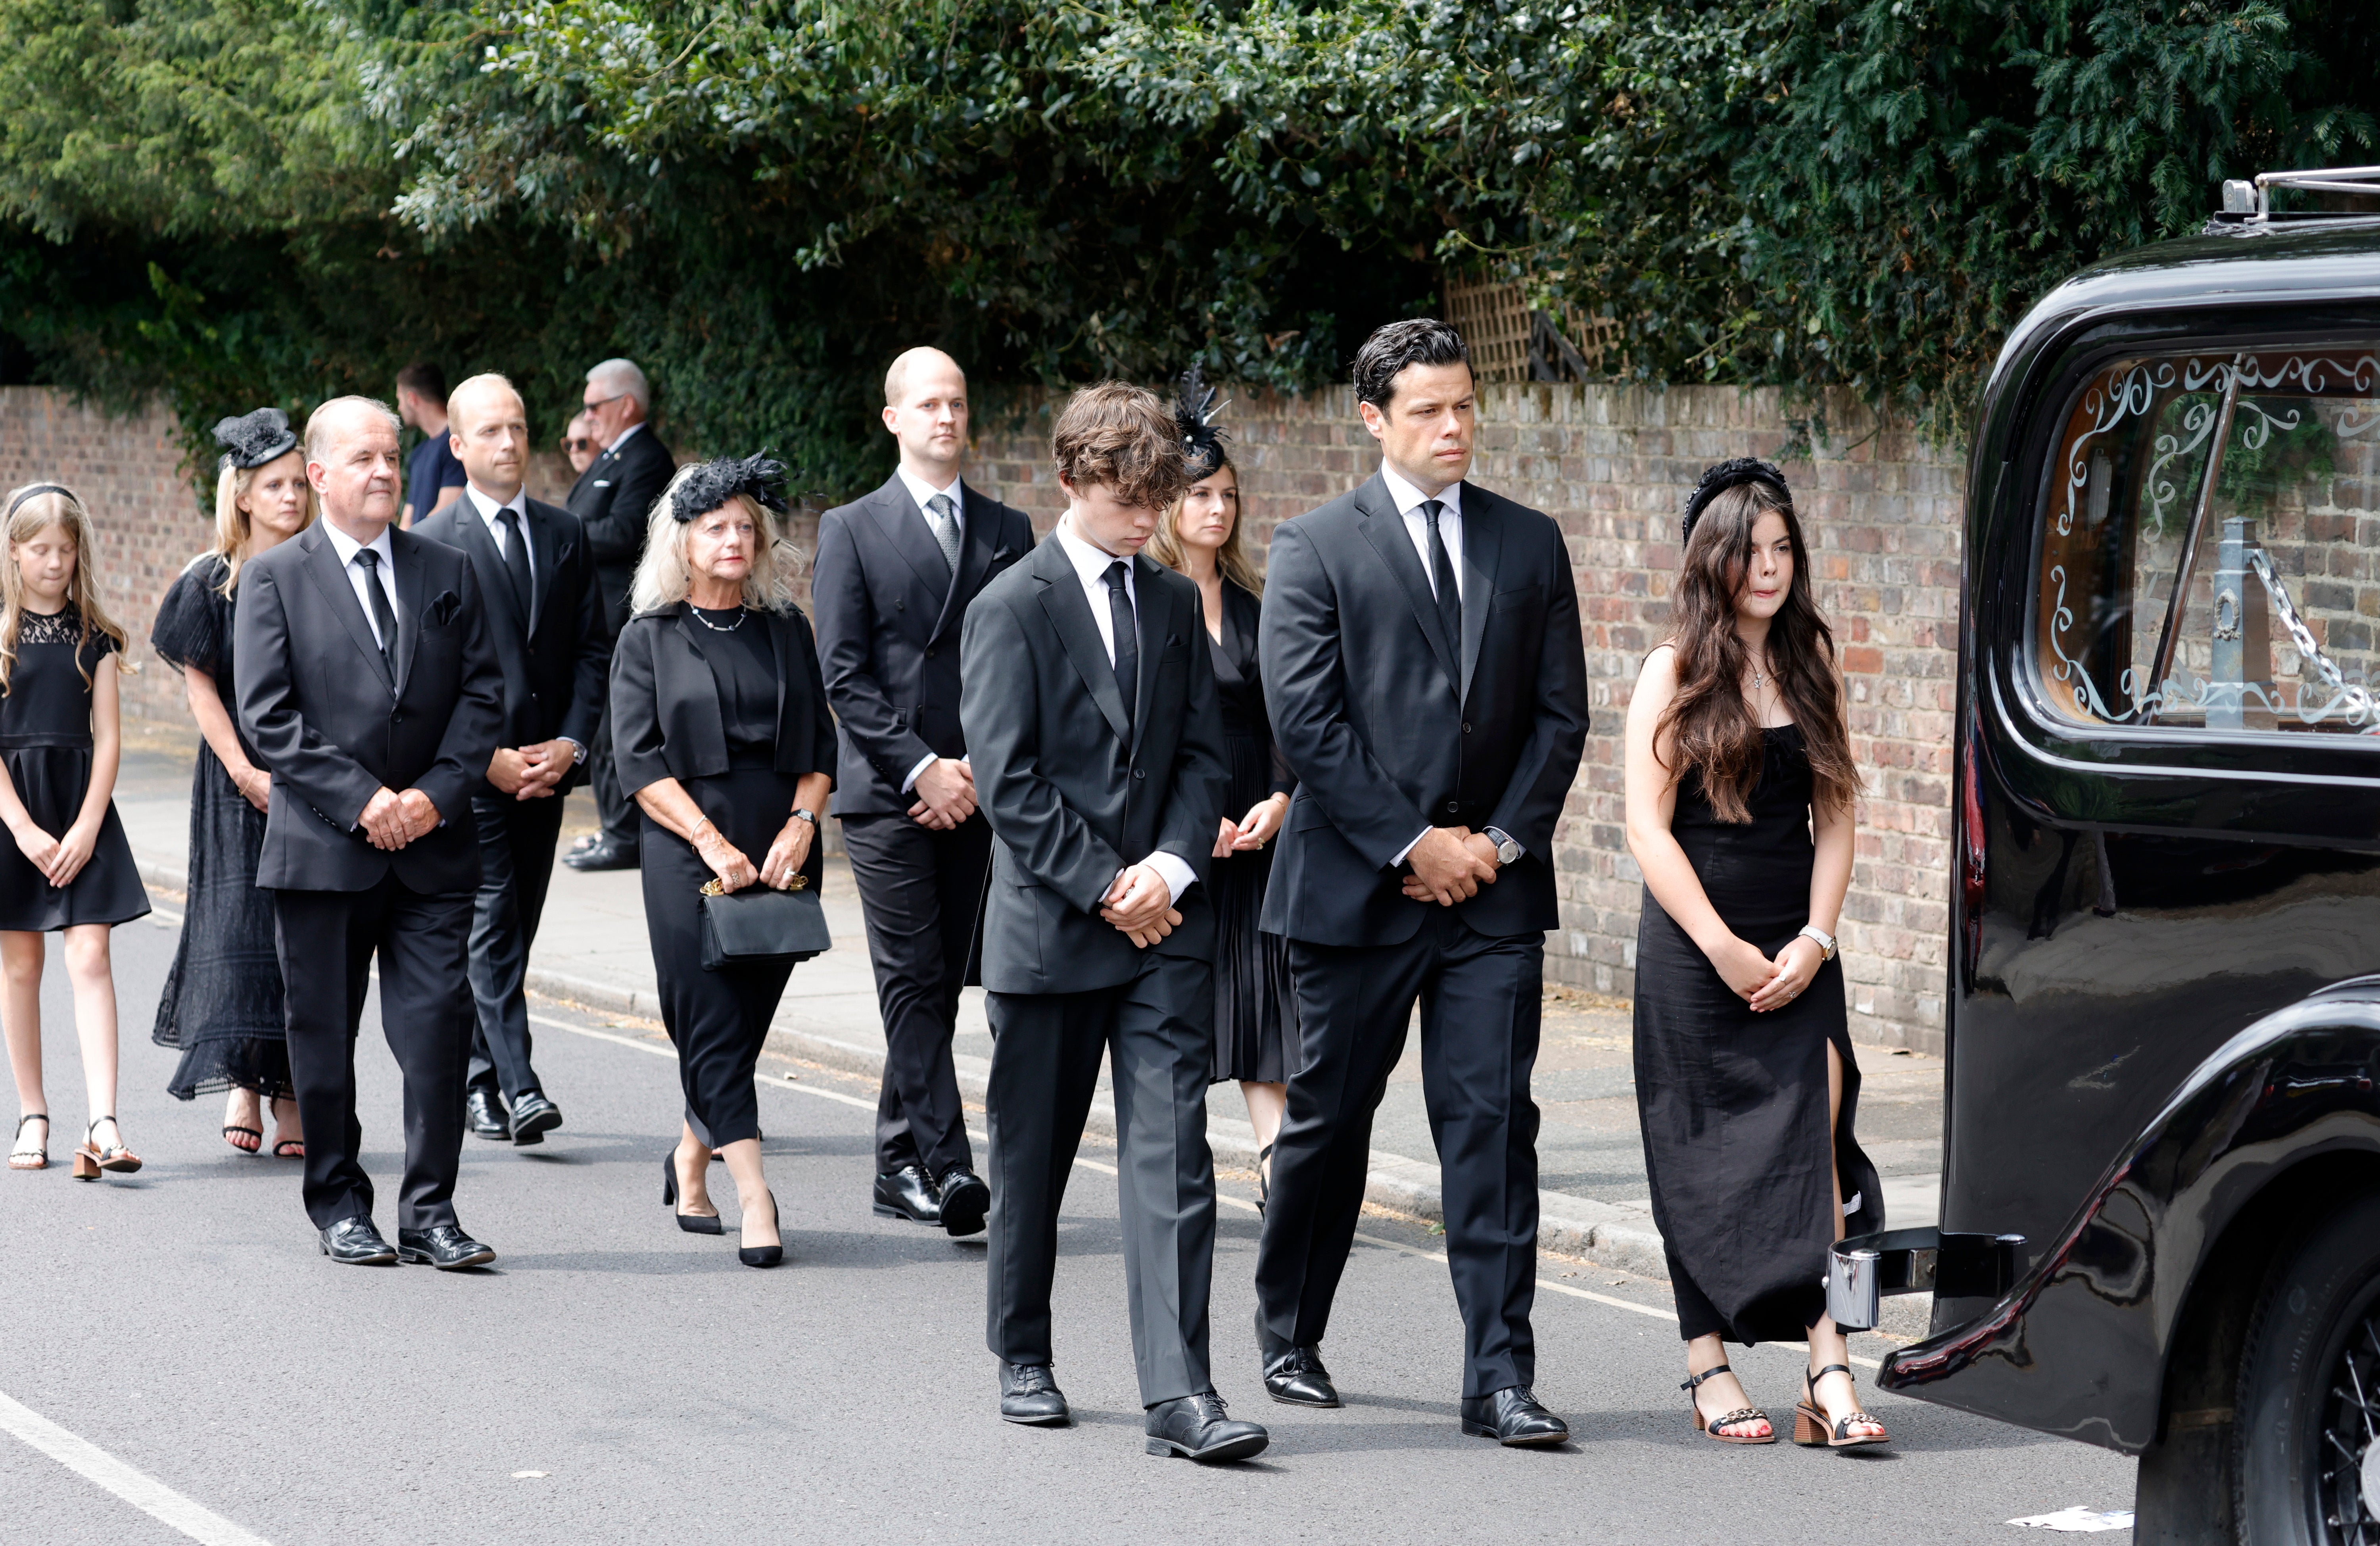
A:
943, 516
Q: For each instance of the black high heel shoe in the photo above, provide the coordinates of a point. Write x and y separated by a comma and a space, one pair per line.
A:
693, 1223
762, 1256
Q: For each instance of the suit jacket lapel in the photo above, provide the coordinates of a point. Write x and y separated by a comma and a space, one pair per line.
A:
975, 537
1385, 530
906, 529
488, 564
408, 603
1483, 542
322, 564
1154, 619
781, 634
545, 542
1078, 633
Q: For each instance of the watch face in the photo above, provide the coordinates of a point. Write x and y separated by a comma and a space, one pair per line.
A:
1508, 853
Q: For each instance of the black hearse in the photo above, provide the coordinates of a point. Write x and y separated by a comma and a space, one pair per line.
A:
2161, 1164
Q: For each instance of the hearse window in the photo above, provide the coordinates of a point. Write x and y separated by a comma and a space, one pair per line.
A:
2211, 544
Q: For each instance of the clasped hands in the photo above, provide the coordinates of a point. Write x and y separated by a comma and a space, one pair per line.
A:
778, 867
532, 771
59, 860
1140, 904
1764, 983
391, 820
1450, 865
945, 794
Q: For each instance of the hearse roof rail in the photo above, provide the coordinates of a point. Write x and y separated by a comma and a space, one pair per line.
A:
2248, 202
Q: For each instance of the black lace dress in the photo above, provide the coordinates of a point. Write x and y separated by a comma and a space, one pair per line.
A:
222, 1001
1256, 1006
1734, 1103
45, 743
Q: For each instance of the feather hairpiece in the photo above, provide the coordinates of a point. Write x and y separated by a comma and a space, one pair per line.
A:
1727, 475
1195, 411
253, 439
758, 477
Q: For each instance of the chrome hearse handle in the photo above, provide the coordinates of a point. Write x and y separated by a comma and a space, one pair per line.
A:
1863, 1269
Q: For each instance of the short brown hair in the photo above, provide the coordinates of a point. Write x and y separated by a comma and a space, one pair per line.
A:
425, 378
1121, 438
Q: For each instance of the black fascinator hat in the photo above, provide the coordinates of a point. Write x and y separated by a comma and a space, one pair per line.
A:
253, 439
1195, 411
758, 477
1727, 475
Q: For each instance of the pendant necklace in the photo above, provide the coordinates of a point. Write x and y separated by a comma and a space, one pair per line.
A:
741, 613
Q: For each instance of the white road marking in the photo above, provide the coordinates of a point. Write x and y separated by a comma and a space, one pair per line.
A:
144, 1491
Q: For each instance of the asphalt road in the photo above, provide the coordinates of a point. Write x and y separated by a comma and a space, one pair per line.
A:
613, 1379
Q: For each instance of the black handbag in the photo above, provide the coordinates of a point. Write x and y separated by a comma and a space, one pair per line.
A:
761, 926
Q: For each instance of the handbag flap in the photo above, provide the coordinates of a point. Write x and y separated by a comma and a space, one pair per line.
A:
758, 921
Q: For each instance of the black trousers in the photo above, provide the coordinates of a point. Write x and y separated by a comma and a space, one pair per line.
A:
920, 891
1157, 1032
327, 941
613, 805
1480, 1005
516, 842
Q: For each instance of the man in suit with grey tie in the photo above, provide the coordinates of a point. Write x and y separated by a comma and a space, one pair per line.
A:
896, 574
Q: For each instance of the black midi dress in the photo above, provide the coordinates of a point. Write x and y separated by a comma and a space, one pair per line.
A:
1255, 1006
45, 743
221, 1001
1734, 1103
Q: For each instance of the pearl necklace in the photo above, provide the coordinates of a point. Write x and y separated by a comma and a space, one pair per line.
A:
741, 613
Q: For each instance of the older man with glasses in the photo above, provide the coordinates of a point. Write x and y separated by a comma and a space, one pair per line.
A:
612, 497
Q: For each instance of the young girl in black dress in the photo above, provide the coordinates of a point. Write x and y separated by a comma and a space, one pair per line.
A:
67, 867
1740, 813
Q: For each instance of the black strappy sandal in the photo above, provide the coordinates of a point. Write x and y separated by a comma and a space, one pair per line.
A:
1264, 1192
90, 1159
1811, 1428
31, 1158
1736, 1419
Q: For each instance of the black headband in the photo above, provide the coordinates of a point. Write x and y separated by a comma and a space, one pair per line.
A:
713, 483
253, 439
36, 489
1727, 475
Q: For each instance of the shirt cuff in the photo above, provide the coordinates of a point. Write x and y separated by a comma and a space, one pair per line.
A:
1179, 876
916, 772
1408, 849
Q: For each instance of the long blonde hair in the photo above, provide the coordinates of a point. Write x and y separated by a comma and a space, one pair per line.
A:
1231, 559
233, 527
33, 510
663, 579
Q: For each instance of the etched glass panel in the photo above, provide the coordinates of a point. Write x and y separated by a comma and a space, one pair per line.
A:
2211, 544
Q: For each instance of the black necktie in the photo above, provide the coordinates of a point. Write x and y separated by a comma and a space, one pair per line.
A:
1441, 575
1127, 637
384, 616
516, 560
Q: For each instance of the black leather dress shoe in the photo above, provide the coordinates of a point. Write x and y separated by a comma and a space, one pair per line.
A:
1029, 1394
1512, 1416
1298, 1379
603, 856
488, 1118
1196, 1428
965, 1199
355, 1242
444, 1247
533, 1117
907, 1193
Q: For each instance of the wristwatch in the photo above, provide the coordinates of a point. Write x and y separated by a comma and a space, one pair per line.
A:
802, 815
1506, 851
1824, 941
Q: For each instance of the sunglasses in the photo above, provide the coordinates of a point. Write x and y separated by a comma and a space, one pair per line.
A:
577, 443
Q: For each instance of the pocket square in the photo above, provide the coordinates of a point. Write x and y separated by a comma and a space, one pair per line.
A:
443, 610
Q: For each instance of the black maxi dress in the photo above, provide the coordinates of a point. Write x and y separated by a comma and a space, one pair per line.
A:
46, 742
1734, 1103
719, 1020
1255, 1006
221, 1001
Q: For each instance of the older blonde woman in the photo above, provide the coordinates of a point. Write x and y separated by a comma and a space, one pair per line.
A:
222, 1003
722, 734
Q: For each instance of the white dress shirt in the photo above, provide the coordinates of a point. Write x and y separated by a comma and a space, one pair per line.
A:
1450, 524
346, 547
919, 492
622, 438
1091, 565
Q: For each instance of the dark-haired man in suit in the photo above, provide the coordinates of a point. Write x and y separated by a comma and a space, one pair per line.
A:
369, 687
1424, 672
614, 499
546, 617
1091, 715
894, 575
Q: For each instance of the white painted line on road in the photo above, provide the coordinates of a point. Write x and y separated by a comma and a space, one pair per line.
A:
144, 1491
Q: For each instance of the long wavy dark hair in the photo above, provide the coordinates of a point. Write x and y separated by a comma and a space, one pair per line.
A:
1711, 729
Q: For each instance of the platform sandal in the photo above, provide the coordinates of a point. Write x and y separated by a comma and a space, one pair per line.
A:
1811, 1428
90, 1159
31, 1158
1736, 1419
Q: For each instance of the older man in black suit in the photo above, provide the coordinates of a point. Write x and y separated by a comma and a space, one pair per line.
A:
371, 689
1425, 675
613, 498
552, 639
1090, 712
894, 575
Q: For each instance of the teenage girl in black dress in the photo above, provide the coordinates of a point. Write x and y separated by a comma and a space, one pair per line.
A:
1740, 813
67, 868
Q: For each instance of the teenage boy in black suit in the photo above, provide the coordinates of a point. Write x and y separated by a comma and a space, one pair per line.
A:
545, 615
369, 687
894, 575
1425, 675
1089, 709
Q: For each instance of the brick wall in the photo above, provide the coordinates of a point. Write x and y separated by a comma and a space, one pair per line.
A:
1882, 512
